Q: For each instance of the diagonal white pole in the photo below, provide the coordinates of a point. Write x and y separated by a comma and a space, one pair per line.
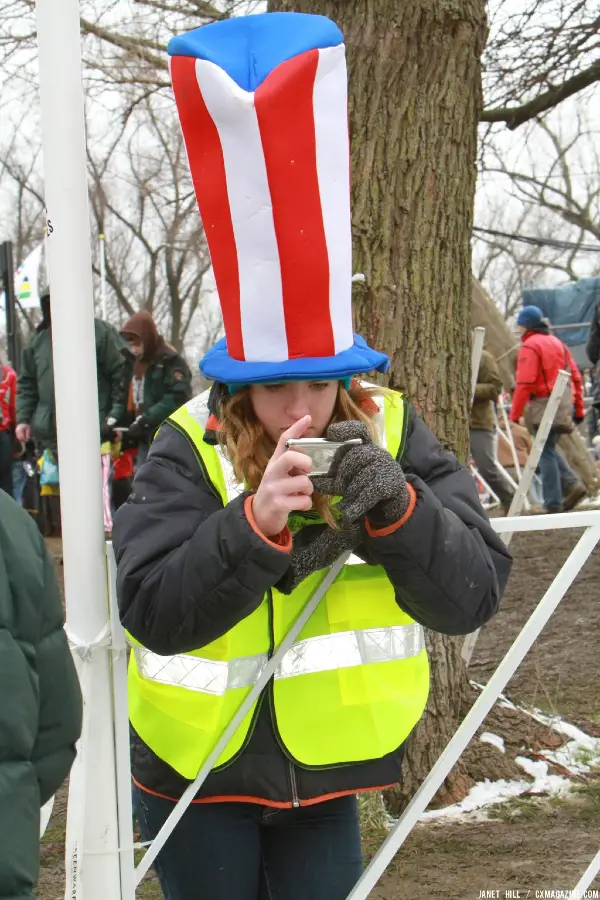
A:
243, 709
526, 479
587, 877
476, 351
92, 850
508, 437
476, 714
121, 726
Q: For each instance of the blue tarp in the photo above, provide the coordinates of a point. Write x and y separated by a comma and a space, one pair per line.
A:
568, 305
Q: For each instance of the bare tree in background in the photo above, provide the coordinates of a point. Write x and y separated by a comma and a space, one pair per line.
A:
550, 193
143, 202
540, 52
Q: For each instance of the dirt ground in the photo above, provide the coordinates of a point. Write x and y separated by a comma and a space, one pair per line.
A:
528, 844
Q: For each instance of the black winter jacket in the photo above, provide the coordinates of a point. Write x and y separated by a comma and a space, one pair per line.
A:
189, 569
40, 700
593, 352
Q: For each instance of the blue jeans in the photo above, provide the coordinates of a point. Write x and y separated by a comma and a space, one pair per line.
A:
19, 480
557, 475
244, 851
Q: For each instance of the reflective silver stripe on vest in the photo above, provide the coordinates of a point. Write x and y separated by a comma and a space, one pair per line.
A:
352, 648
318, 654
208, 676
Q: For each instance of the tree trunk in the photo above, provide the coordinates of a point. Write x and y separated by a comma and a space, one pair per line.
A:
415, 99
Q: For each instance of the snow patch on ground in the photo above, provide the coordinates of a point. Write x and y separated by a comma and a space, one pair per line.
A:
488, 738
579, 756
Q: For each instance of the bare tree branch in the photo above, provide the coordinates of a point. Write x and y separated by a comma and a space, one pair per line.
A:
518, 115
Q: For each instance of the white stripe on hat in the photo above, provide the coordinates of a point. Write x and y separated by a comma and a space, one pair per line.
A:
330, 103
261, 297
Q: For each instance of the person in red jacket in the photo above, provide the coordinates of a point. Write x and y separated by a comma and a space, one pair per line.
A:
541, 357
8, 394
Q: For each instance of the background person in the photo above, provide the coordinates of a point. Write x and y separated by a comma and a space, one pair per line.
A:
36, 408
40, 705
541, 357
8, 394
157, 382
483, 436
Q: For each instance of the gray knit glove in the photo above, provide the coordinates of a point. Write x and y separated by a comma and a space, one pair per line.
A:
368, 478
316, 547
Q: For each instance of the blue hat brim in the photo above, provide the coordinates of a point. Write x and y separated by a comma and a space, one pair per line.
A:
218, 365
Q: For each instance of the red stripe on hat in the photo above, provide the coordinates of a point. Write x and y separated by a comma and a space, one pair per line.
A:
284, 107
207, 166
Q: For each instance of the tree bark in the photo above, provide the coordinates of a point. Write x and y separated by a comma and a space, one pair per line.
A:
415, 100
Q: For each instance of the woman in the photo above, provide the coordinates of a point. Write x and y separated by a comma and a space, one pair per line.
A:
226, 535
195, 569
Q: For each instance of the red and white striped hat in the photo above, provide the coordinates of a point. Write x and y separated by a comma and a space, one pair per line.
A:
263, 106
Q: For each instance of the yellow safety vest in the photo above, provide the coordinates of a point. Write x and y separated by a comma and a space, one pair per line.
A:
351, 688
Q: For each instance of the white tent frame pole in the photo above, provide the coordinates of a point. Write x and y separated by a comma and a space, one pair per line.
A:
121, 726
477, 714
476, 351
508, 437
92, 848
477, 474
531, 465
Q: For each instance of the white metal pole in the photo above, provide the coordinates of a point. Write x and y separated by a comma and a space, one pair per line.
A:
121, 724
102, 243
476, 714
92, 849
476, 351
588, 876
508, 437
477, 474
526, 479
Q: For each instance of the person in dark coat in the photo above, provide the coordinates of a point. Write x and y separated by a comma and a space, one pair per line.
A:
36, 406
229, 532
593, 352
484, 440
157, 381
40, 705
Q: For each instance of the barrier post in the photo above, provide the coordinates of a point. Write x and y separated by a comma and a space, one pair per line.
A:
477, 350
92, 854
525, 483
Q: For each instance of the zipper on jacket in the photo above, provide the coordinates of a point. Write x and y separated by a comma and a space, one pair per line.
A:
295, 797
293, 784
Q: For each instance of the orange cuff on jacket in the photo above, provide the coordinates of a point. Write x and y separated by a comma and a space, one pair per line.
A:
281, 541
390, 529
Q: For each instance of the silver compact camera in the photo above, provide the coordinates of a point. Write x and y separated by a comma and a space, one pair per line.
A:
321, 451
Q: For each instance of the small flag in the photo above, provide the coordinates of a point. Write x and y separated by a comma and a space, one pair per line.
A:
26, 280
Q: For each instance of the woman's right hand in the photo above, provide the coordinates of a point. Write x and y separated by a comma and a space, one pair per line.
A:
285, 486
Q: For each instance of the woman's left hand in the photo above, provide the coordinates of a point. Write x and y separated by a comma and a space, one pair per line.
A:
367, 477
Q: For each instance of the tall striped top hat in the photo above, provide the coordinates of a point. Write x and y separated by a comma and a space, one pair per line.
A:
263, 107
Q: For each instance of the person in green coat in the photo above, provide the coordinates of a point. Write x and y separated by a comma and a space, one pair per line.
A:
157, 382
36, 410
40, 705
483, 429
